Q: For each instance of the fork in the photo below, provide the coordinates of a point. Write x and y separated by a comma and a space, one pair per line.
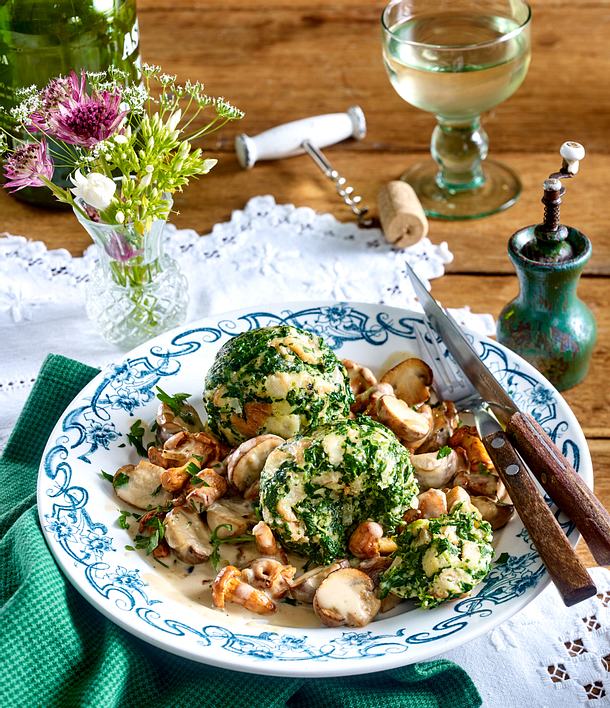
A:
563, 565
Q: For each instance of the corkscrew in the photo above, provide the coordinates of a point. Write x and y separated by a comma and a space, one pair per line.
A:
309, 135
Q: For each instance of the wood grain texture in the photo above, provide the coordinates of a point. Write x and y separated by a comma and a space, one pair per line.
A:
285, 59
563, 565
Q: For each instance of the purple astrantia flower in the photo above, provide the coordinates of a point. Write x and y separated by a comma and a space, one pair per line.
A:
27, 165
56, 91
78, 118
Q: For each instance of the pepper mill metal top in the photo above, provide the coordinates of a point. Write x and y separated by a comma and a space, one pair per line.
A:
551, 242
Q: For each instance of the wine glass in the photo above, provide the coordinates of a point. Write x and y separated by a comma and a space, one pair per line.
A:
457, 59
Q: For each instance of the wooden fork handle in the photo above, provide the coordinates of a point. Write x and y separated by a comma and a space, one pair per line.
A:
566, 570
562, 483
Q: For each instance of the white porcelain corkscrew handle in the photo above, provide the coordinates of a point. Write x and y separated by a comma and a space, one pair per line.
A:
286, 140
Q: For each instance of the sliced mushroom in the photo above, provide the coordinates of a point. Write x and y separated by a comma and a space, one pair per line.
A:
434, 472
230, 517
432, 503
265, 540
374, 567
497, 513
467, 437
202, 494
361, 378
367, 401
244, 465
445, 420
143, 487
188, 535
458, 496
389, 602
480, 484
346, 597
304, 587
411, 427
410, 380
182, 446
228, 586
270, 575
169, 422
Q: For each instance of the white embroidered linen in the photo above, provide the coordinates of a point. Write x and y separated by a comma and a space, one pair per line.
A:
266, 253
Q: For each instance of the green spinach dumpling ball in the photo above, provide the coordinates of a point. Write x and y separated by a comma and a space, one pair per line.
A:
279, 380
316, 488
440, 559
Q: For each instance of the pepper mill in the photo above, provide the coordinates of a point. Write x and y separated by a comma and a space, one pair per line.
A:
547, 324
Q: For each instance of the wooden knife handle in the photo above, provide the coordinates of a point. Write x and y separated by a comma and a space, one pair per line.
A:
564, 567
562, 483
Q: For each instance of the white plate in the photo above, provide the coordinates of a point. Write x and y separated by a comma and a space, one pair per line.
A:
78, 510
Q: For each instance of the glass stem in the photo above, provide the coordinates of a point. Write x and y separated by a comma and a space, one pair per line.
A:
459, 148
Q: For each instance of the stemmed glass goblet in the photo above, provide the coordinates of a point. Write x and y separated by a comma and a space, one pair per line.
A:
458, 59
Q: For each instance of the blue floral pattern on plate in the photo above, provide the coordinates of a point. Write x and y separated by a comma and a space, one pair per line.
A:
88, 553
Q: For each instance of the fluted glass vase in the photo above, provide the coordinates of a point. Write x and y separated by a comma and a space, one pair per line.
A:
136, 290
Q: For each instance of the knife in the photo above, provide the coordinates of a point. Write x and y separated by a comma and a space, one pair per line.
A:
556, 475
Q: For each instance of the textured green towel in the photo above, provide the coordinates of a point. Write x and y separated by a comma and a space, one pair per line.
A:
58, 651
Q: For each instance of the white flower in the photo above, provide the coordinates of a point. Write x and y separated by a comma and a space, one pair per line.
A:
174, 119
208, 164
95, 189
120, 139
146, 180
120, 217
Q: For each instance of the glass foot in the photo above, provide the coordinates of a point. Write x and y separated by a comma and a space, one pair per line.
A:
500, 190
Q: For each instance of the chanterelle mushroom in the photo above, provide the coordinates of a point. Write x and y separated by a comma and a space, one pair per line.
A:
270, 575
467, 437
346, 597
205, 488
228, 586
143, 486
445, 420
410, 379
182, 446
435, 472
367, 541
187, 535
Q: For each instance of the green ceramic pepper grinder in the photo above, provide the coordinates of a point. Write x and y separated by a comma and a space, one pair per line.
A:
547, 323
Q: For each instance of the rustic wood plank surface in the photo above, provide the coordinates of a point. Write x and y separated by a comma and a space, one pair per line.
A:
284, 59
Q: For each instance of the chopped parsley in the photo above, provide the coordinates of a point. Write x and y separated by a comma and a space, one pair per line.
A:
215, 541
120, 479
106, 476
135, 435
443, 452
177, 404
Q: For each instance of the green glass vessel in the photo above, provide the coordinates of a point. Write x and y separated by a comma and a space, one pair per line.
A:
40, 39
547, 323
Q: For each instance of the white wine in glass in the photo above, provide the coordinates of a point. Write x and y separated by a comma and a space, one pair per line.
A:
458, 59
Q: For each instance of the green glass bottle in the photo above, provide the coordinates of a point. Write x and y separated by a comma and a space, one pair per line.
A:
40, 39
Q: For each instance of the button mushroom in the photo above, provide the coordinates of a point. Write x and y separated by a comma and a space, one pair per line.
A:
410, 426
304, 587
228, 586
434, 472
445, 420
346, 597
182, 446
188, 535
367, 401
270, 575
230, 517
410, 380
142, 488
497, 513
360, 377
367, 541
244, 465
432, 503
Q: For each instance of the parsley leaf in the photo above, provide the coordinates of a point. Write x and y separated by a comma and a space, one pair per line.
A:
215, 541
120, 479
177, 403
443, 452
106, 476
135, 435
502, 559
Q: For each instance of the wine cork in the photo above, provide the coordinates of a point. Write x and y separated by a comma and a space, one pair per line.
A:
402, 218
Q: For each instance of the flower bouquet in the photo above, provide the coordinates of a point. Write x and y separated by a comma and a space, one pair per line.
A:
128, 148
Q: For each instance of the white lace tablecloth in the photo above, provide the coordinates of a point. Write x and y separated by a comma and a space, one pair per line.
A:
266, 253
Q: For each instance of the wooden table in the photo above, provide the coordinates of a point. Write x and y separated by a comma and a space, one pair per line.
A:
280, 60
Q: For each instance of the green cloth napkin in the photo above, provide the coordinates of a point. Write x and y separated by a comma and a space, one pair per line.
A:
57, 650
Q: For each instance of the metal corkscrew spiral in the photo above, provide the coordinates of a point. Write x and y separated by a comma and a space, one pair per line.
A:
345, 191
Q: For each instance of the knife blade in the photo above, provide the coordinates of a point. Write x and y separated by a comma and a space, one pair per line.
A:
566, 570
550, 467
